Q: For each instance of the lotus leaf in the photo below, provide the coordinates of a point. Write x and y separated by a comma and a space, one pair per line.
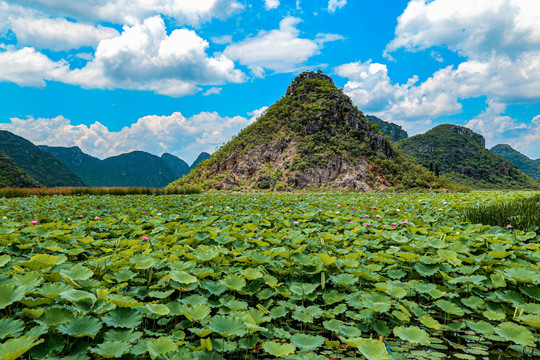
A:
12, 349
29, 280
123, 318
183, 277
4, 259
377, 301
161, 346
10, 294
111, 349
371, 349
124, 301
122, 335
234, 282
302, 289
11, 328
516, 333
227, 326
307, 342
81, 326
277, 349
413, 335
55, 316
78, 295
523, 274
450, 307
77, 273
53, 290
196, 313
158, 309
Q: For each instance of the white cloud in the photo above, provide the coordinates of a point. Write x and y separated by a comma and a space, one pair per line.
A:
143, 57
271, 4
212, 91
191, 12
471, 28
498, 128
333, 5
28, 67
280, 50
224, 39
59, 33
176, 134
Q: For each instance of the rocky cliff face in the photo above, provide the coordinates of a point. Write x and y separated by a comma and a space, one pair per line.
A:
312, 137
393, 131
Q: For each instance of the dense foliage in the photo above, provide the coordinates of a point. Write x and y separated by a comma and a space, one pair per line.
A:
40, 165
202, 156
12, 176
178, 166
393, 131
461, 156
237, 276
523, 214
528, 166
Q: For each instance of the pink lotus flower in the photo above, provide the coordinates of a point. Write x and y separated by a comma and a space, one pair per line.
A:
394, 224
339, 206
445, 203
377, 216
374, 208
368, 224
144, 213
145, 238
366, 216
404, 223
509, 226
320, 211
219, 227
211, 207
96, 218
33, 222
350, 222
290, 211
295, 223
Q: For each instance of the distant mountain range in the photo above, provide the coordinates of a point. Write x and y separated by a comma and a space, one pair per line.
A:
40, 165
461, 156
528, 166
136, 168
23, 164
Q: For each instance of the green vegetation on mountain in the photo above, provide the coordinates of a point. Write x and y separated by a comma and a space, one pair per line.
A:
202, 156
528, 166
13, 176
40, 165
137, 168
178, 166
393, 131
313, 137
461, 156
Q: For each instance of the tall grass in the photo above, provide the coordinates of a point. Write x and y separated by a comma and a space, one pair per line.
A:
68, 191
523, 214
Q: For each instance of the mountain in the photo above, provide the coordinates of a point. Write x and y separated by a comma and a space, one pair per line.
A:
461, 156
178, 166
40, 165
522, 162
313, 137
12, 176
137, 168
202, 156
393, 131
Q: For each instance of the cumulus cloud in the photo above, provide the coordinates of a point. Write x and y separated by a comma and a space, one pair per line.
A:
280, 50
498, 128
190, 12
212, 91
28, 67
333, 5
143, 57
59, 33
471, 28
176, 134
271, 4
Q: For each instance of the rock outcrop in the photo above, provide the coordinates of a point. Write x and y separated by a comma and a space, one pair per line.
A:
313, 137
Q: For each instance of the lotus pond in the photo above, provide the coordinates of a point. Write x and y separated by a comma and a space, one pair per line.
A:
262, 276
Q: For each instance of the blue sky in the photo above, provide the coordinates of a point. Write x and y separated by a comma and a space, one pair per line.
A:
184, 76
